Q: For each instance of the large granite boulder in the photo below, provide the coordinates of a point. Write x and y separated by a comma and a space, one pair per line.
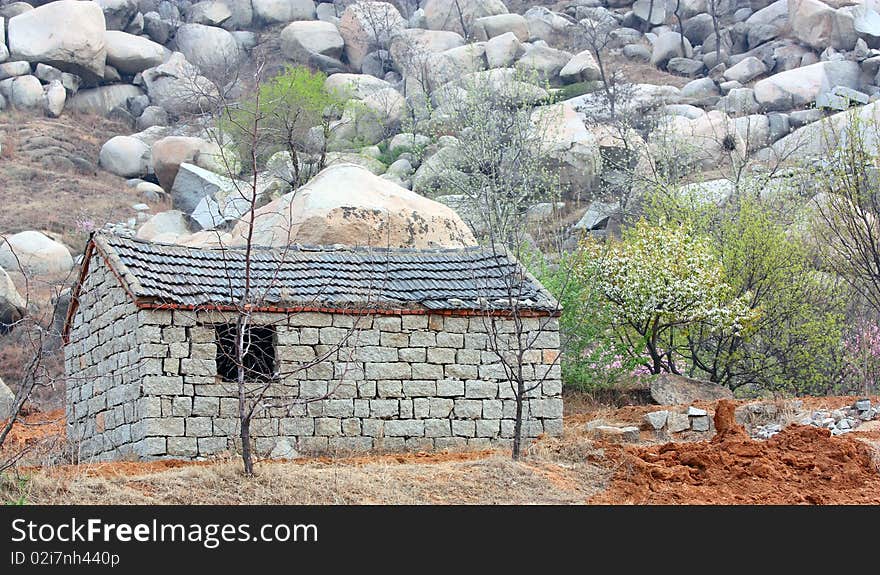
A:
300, 40
67, 34
571, 148
131, 54
367, 27
12, 304
168, 153
459, 16
801, 86
275, 11
125, 156
178, 87
213, 50
346, 204
34, 253
103, 99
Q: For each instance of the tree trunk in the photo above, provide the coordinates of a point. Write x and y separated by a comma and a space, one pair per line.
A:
517, 429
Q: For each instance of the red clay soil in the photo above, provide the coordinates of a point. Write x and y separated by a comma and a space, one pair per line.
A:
36, 428
800, 465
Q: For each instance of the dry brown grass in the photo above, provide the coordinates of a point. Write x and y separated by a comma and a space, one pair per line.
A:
490, 479
54, 198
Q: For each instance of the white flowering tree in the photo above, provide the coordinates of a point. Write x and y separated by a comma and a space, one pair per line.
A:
659, 281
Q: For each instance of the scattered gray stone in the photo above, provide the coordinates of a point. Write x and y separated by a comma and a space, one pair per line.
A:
696, 412
700, 423
862, 404
677, 422
617, 434
656, 419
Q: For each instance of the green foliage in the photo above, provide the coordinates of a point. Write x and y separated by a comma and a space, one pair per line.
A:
660, 282
279, 115
577, 89
592, 358
794, 344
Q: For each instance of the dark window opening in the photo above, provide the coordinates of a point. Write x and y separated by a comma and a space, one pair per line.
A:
258, 360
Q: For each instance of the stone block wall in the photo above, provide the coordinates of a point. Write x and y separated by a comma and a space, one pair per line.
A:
398, 382
102, 365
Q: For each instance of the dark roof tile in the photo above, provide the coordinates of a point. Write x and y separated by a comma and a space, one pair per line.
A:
330, 276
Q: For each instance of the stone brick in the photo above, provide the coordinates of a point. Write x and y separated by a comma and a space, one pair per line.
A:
199, 426
388, 370
362, 408
297, 426
310, 319
309, 335
312, 389
441, 355
438, 428
295, 353
441, 408
412, 354
455, 324
421, 407
445, 339
387, 323
313, 444
450, 443
435, 322
355, 444
206, 406
376, 354
404, 428
468, 408
450, 388
412, 322
476, 341
389, 388
422, 339
467, 357
351, 426
391, 444
427, 371
551, 387
207, 367
492, 409
487, 427
201, 334
462, 428
339, 407
383, 408
173, 334
479, 389
333, 335
181, 406
395, 339
460, 371
151, 446
183, 446
419, 388
164, 426
212, 445
162, 385
372, 427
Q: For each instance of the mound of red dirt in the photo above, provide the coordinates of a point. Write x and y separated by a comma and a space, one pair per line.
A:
800, 465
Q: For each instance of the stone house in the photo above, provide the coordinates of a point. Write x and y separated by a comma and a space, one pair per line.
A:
371, 349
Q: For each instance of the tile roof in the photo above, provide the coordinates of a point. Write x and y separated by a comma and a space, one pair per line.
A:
327, 276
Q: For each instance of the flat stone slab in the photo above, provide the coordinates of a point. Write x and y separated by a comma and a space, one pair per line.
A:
617, 434
670, 389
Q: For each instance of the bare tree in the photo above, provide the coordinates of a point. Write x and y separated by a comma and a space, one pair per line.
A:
847, 204
35, 327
